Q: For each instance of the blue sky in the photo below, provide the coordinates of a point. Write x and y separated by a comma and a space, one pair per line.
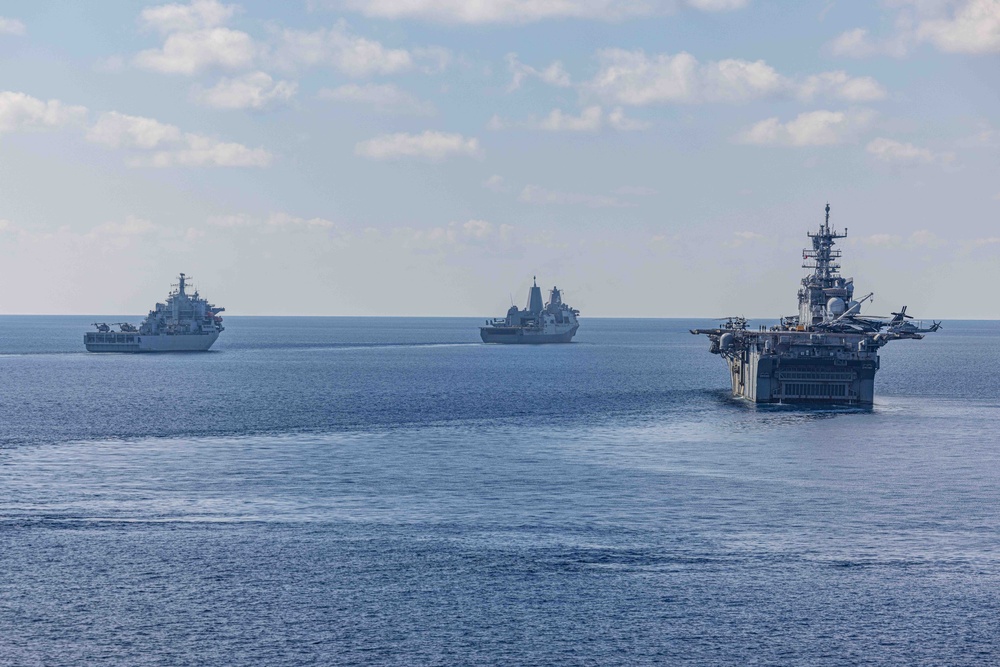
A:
427, 157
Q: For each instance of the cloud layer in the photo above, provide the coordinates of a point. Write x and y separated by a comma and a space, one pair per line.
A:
384, 98
20, 112
255, 90
523, 11
169, 145
11, 26
431, 146
814, 128
637, 79
951, 26
897, 152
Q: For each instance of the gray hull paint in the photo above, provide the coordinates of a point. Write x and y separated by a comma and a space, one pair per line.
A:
810, 369
827, 353
519, 337
154, 343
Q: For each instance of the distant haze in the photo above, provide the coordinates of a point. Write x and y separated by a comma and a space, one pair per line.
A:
653, 159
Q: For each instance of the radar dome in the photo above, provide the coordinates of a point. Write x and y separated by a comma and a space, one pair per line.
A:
836, 306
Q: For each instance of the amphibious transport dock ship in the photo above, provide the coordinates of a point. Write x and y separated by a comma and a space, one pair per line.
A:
827, 353
555, 322
185, 323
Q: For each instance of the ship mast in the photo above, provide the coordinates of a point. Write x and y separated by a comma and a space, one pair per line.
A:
822, 255
824, 282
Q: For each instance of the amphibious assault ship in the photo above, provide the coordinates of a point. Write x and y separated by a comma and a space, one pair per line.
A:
828, 353
185, 323
555, 322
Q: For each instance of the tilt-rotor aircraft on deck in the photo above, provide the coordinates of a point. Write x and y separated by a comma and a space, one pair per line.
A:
828, 353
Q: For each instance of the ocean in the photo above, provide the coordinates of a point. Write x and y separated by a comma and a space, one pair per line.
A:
390, 491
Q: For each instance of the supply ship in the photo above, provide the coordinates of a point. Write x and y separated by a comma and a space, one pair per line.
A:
555, 322
185, 323
828, 353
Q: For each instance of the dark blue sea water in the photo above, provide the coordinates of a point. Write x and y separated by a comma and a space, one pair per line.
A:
390, 491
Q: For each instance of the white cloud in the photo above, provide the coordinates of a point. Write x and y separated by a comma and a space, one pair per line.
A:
20, 112
114, 235
815, 128
858, 43
195, 39
276, 221
284, 220
479, 235
348, 53
888, 150
854, 43
630, 77
231, 221
133, 226
951, 26
589, 120
176, 17
192, 52
920, 238
385, 98
496, 184
199, 151
433, 146
718, 5
617, 120
117, 130
881, 240
523, 11
633, 78
974, 27
496, 123
430, 145
744, 237
554, 75
840, 85
532, 194
739, 80
11, 27
255, 90
927, 239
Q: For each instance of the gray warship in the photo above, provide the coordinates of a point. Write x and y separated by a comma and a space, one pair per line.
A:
828, 353
555, 322
185, 323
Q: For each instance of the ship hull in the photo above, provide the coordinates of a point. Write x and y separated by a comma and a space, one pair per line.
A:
135, 343
519, 336
832, 369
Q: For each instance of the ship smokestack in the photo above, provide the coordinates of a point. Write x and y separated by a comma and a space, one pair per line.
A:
535, 298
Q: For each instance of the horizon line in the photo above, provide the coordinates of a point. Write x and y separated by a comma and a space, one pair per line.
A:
452, 317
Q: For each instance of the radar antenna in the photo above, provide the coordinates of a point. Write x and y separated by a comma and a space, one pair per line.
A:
822, 256
181, 284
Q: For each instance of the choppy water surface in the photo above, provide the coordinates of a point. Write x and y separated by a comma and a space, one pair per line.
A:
389, 491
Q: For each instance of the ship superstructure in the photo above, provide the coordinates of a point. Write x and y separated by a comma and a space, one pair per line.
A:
828, 352
185, 323
553, 322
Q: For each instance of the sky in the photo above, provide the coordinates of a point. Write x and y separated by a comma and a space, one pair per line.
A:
652, 158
